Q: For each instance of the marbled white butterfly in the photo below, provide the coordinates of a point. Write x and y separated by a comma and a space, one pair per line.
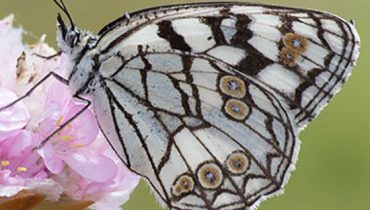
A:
205, 101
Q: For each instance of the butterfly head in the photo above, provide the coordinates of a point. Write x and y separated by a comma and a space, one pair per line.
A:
71, 40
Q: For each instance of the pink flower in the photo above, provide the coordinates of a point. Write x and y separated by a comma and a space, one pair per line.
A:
110, 194
17, 160
11, 47
77, 162
118, 191
21, 168
13, 118
70, 146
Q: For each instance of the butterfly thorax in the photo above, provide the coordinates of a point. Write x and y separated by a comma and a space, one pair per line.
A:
78, 45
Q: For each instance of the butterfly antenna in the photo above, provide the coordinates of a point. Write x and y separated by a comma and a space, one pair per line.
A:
63, 7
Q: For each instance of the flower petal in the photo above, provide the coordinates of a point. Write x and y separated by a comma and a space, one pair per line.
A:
11, 47
16, 145
85, 128
52, 161
96, 167
13, 118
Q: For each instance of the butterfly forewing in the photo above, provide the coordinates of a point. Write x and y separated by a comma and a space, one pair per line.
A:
206, 100
304, 55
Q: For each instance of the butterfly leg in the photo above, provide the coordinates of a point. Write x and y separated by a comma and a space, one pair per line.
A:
87, 105
29, 92
48, 57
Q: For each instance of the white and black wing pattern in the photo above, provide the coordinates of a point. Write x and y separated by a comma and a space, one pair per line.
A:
203, 134
304, 55
206, 100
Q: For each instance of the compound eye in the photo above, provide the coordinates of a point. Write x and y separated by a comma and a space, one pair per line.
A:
72, 38
92, 40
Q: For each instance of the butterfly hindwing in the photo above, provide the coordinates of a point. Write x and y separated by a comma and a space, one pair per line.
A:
206, 100
204, 135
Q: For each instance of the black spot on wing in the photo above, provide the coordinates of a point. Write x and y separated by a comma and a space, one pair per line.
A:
215, 24
304, 86
166, 31
287, 26
254, 63
243, 33
255, 60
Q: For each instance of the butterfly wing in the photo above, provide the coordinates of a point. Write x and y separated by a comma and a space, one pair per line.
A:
205, 100
203, 134
304, 55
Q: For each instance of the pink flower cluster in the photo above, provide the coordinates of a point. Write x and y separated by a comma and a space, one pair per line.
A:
77, 162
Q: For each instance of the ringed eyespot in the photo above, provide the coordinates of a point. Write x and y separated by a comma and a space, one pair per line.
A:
210, 176
288, 57
237, 109
237, 163
184, 184
233, 86
295, 42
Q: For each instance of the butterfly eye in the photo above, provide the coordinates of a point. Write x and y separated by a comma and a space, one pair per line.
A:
233, 86
72, 38
210, 176
184, 184
92, 41
236, 109
237, 163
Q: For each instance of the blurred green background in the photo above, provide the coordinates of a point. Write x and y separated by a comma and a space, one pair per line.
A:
333, 171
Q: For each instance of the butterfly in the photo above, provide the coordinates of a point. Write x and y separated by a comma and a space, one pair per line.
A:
205, 101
